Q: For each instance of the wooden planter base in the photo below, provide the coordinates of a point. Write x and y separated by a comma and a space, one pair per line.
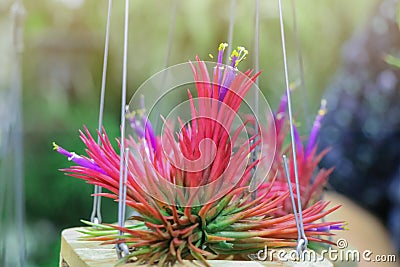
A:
78, 253
366, 233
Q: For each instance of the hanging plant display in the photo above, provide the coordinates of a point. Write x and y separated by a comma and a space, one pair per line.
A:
206, 178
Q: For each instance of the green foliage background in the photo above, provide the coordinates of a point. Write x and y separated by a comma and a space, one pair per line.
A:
62, 74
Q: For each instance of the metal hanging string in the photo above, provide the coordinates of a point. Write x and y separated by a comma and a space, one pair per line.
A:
256, 68
126, 164
303, 243
301, 66
256, 56
122, 247
96, 210
18, 13
302, 79
171, 33
231, 28
3, 197
287, 174
306, 107
256, 42
299, 225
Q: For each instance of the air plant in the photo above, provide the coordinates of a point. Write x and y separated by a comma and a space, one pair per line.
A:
311, 179
171, 226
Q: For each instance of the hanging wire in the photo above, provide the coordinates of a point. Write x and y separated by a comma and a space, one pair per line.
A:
301, 67
299, 225
121, 247
12, 199
171, 33
256, 42
304, 92
256, 54
18, 14
96, 210
6, 211
5, 194
231, 28
302, 241
256, 92
3, 190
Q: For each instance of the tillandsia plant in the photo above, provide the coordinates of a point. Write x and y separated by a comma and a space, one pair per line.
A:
311, 179
177, 186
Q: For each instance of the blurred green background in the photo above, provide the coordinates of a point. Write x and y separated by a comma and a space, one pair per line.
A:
62, 65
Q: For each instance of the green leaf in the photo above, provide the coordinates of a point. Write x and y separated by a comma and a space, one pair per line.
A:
394, 61
224, 244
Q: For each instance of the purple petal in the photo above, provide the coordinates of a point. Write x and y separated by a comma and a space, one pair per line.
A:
283, 105
81, 161
221, 50
233, 61
327, 228
230, 75
135, 125
312, 141
150, 135
297, 140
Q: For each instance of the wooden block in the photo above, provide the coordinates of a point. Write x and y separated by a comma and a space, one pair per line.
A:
78, 253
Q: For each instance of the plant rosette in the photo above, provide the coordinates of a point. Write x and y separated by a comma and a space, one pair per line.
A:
205, 175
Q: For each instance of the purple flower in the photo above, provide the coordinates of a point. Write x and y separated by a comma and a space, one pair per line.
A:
149, 133
327, 228
221, 50
297, 140
230, 75
142, 126
226, 78
312, 141
238, 55
284, 102
282, 107
136, 126
81, 161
